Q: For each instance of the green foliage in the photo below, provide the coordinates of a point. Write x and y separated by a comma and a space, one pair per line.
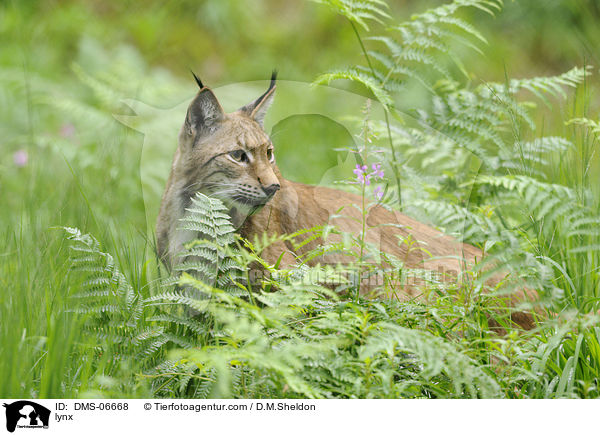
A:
303, 340
593, 126
462, 162
206, 257
472, 151
300, 341
359, 11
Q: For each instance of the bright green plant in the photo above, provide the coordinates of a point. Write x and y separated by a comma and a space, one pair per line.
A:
469, 156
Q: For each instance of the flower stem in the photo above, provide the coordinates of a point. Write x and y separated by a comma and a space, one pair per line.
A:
386, 115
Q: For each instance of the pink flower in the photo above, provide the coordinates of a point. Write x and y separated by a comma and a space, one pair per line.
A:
67, 130
359, 170
361, 175
378, 192
20, 158
377, 171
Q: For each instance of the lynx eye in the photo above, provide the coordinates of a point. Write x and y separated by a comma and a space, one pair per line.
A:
270, 154
239, 156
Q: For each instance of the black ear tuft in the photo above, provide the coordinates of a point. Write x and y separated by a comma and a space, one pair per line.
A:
200, 85
258, 108
271, 86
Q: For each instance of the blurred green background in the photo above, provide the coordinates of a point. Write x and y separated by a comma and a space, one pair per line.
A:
69, 69
67, 66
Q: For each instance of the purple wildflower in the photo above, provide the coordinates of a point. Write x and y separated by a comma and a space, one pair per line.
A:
377, 171
20, 158
67, 130
361, 175
378, 192
359, 170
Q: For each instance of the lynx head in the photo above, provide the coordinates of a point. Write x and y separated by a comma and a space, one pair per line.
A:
228, 155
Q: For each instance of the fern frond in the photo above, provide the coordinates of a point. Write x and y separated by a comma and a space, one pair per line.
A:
436, 357
592, 126
542, 87
359, 11
356, 75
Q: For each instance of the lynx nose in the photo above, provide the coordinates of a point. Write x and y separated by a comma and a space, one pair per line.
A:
270, 190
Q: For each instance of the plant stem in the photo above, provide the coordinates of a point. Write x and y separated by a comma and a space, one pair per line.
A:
386, 115
362, 238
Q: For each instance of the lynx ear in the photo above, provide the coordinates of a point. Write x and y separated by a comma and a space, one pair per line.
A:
204, 112
258, 108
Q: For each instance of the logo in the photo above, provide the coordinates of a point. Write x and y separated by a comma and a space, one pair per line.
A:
26, 414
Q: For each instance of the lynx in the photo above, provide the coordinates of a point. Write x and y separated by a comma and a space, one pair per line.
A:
229, 156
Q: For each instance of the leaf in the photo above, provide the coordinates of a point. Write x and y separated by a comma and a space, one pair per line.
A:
361, 77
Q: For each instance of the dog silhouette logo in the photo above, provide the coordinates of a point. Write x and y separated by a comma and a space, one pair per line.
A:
26, 414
